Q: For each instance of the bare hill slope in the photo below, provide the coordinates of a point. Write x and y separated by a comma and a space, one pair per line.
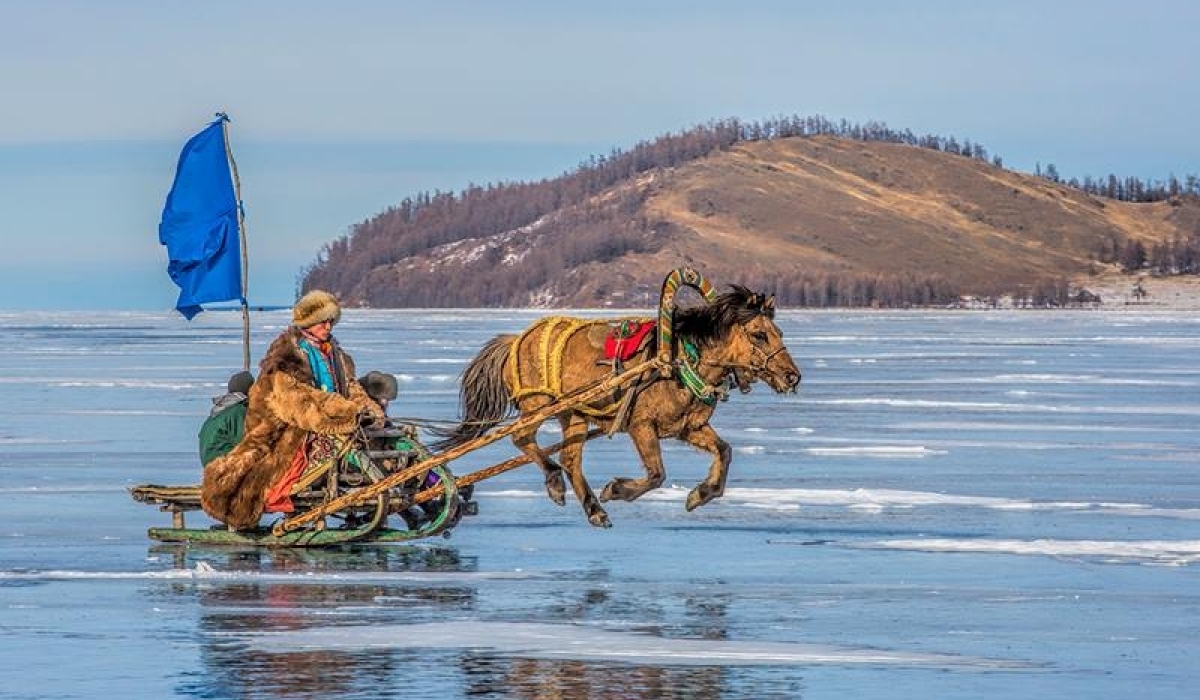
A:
785, 215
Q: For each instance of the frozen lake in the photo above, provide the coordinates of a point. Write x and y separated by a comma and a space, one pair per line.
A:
955, 504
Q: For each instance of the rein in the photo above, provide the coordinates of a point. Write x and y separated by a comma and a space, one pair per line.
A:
758, 367
709, 393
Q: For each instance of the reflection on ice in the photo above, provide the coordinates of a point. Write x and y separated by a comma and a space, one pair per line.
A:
205, 572
579, 642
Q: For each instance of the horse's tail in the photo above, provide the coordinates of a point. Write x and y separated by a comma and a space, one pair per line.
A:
484, 398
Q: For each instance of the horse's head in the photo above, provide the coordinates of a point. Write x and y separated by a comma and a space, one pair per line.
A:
756, 346
743, 322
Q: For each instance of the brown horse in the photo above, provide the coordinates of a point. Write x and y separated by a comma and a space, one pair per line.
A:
733, 340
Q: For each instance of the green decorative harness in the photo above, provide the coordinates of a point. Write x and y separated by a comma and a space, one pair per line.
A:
685, 369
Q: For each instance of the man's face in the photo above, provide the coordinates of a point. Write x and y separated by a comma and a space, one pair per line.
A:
321, 331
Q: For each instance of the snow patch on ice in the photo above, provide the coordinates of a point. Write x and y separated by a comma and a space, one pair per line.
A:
590, 643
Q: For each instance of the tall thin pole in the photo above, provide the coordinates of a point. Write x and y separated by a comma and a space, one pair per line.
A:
237, 188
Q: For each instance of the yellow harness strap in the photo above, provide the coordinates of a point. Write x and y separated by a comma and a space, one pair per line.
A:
551, 336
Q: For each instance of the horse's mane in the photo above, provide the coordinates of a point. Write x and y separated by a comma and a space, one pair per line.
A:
712, 322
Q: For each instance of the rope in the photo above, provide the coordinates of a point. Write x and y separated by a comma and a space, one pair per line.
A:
551, 347
552, 343
424, 422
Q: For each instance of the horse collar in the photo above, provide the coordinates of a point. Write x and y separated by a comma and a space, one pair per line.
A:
685, 370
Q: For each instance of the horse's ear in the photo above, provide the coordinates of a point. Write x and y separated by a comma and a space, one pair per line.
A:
752, 300
769, 304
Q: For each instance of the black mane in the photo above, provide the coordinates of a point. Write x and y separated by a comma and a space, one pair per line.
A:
712, 322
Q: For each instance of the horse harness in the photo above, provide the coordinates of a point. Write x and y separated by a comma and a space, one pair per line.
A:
554, 334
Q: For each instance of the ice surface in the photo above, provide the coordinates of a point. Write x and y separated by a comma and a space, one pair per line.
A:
994, 505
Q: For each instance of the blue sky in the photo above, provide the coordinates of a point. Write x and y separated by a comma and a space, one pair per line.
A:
341, 109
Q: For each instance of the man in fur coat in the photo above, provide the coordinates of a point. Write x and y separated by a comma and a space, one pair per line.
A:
305, 388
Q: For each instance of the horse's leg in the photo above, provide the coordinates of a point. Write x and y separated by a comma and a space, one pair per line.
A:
526, 441
645, 441
575, 430
705, 438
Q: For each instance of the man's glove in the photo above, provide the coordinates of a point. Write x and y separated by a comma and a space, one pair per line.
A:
371, 421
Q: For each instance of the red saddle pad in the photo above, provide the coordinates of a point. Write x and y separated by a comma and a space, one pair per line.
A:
625, 340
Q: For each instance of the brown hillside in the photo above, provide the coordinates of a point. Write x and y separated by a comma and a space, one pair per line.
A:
764, 211
829, 204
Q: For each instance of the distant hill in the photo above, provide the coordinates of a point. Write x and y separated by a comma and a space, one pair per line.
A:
835, 215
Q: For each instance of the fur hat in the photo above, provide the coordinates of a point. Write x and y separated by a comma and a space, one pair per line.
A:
380, 385
315, 307
240, 383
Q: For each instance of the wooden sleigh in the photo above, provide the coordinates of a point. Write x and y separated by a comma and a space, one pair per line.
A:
428, 506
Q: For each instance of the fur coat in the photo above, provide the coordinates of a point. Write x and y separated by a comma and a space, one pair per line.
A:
285, 406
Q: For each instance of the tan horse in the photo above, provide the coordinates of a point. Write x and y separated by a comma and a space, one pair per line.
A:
733, 340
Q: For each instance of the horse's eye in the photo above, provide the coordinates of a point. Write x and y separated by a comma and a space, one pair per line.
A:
758, 337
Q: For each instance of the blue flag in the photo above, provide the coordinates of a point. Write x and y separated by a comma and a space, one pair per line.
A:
199, 224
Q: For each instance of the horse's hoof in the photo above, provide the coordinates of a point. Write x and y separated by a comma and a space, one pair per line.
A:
556, 490
609, 491
698, 497
599, 519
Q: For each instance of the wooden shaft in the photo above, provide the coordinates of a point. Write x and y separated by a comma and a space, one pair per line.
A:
488, 472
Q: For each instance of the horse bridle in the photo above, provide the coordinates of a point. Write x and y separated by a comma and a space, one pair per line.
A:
754, 369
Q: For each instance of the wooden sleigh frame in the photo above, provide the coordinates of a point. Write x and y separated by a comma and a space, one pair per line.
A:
360, 521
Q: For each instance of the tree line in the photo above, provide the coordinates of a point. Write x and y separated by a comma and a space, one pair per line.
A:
1127, 189
861, 291
1178, 256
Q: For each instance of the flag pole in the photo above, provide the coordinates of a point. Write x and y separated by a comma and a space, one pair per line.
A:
237, 189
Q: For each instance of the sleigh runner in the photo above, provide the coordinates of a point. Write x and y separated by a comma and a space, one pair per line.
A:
383, 474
